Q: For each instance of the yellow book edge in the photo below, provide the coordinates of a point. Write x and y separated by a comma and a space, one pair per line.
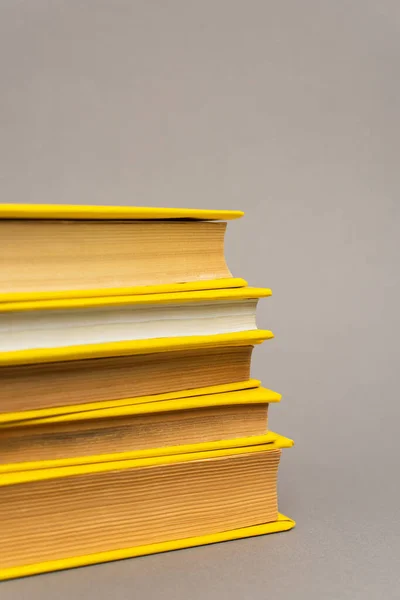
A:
240, 293
258, 395
164, 288
282, 523
21, 417
119, 213
44, 470
148, 346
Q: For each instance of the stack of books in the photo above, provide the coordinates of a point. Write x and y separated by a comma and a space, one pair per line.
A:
129, 423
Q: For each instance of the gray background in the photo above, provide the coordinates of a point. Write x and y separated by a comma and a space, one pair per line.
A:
290, 111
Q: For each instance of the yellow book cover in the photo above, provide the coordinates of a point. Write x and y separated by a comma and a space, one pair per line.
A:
138, 506
110, 251
117, 213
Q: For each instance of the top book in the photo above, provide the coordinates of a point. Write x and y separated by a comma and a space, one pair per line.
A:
65, 251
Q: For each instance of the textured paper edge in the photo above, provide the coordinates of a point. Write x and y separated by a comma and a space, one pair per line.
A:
283, 523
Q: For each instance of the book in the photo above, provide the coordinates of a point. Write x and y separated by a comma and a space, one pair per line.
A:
76, 251
130, 427
74, 376
59, 323
110, 510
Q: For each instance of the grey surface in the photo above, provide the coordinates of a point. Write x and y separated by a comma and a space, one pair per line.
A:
289, 110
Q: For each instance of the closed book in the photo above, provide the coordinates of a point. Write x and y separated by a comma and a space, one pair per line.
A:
141, 425
49, 378
104, 511
59, 323
55, 251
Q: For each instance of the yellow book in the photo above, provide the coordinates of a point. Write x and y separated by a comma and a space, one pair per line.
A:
20, 416
110, 510
59, 323
76, 376
55, 251
138, 426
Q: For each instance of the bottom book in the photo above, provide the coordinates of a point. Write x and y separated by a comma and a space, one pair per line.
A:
70, 516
